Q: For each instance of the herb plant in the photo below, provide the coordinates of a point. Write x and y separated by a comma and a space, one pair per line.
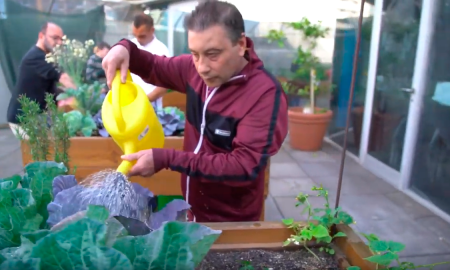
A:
59, 132
326, 217
44, 130
33, 122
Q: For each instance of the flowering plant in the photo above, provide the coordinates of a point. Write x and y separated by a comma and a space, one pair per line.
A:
71, 57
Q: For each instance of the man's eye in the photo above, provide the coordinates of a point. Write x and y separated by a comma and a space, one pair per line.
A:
213, 55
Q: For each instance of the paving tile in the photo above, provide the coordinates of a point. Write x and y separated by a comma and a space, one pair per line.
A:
349, 185
409, 206
418, 240
370, 207
429, 259
319, 156
271, 210
290, 187
283, 170
11, 164
437, 226
282, 157
288, 209
317, 169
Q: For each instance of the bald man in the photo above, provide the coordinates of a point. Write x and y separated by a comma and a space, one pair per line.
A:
36, 77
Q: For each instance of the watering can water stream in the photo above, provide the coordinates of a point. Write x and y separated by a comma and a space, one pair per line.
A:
130, 119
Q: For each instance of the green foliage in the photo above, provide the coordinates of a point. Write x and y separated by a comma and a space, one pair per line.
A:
79, 124
305, 59
276, 36
33, 122
326, 217
88, 102
59, 132
44, 129
87, 97
24, 210
96, 242
386, 254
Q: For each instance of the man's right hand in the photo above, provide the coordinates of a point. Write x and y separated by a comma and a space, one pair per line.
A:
118, 58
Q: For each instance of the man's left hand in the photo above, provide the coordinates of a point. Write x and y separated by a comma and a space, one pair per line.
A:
144, 163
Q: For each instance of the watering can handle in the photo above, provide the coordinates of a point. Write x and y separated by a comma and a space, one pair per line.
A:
117, 109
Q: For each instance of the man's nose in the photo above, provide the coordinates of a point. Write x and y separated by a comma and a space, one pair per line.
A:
203, 66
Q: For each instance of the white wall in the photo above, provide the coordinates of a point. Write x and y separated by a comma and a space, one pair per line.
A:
5, 96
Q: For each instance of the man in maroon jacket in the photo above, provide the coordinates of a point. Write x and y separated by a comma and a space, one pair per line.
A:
236, 114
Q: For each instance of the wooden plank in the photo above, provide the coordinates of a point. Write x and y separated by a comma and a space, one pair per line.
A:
175, 99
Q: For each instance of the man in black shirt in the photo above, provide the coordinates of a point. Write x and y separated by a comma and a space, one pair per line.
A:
36, 77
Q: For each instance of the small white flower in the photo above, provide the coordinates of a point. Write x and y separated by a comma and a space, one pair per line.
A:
297, 243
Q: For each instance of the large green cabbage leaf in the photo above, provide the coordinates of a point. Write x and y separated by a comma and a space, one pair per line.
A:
97, 242
24, 210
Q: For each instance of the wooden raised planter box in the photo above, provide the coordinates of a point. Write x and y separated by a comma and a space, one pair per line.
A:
237, 236
93, 154
175, 99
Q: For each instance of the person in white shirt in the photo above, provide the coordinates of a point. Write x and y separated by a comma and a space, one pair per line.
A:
145, 39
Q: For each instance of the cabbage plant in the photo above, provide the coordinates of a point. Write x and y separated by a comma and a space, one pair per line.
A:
71, 235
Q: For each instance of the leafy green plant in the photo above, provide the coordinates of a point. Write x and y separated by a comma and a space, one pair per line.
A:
79, 124
325, 217
24, 210
277, 36
305, 59
98, 241
386, 253
87, 97
88, 102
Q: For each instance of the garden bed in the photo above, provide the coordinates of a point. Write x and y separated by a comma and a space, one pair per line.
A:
259, 245
175, 99
93, 154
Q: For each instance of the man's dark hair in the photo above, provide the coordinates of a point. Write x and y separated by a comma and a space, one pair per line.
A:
44, 27
102, 45
143, 19
213, 12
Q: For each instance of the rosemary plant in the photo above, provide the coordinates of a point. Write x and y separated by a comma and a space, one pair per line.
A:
59, 131
34, 125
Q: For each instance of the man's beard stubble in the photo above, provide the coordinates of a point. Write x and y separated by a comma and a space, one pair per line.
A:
48, 48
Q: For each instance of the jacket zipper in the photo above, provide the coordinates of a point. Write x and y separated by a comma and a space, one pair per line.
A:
208, 97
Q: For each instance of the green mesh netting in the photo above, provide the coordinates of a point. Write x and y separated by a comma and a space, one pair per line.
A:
20, 25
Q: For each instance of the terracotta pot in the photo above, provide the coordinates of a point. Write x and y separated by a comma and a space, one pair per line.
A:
306, 131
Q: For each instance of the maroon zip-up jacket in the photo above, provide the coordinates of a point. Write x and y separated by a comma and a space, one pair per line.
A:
244, 122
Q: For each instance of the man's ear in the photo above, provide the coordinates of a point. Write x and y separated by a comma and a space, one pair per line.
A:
242, 43
41, 35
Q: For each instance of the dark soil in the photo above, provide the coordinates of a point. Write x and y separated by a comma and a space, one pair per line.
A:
263, 259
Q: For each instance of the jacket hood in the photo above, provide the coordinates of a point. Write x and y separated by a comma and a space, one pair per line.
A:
251, 55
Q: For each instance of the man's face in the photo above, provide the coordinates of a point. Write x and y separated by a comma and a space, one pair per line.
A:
52, 37
143, 34
215, 57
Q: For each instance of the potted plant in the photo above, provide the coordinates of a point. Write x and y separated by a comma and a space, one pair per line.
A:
304, 61
308, 124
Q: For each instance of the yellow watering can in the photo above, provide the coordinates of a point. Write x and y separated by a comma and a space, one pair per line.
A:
130, 119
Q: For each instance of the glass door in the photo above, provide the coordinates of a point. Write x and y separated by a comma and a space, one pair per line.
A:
430, 175
391, 88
